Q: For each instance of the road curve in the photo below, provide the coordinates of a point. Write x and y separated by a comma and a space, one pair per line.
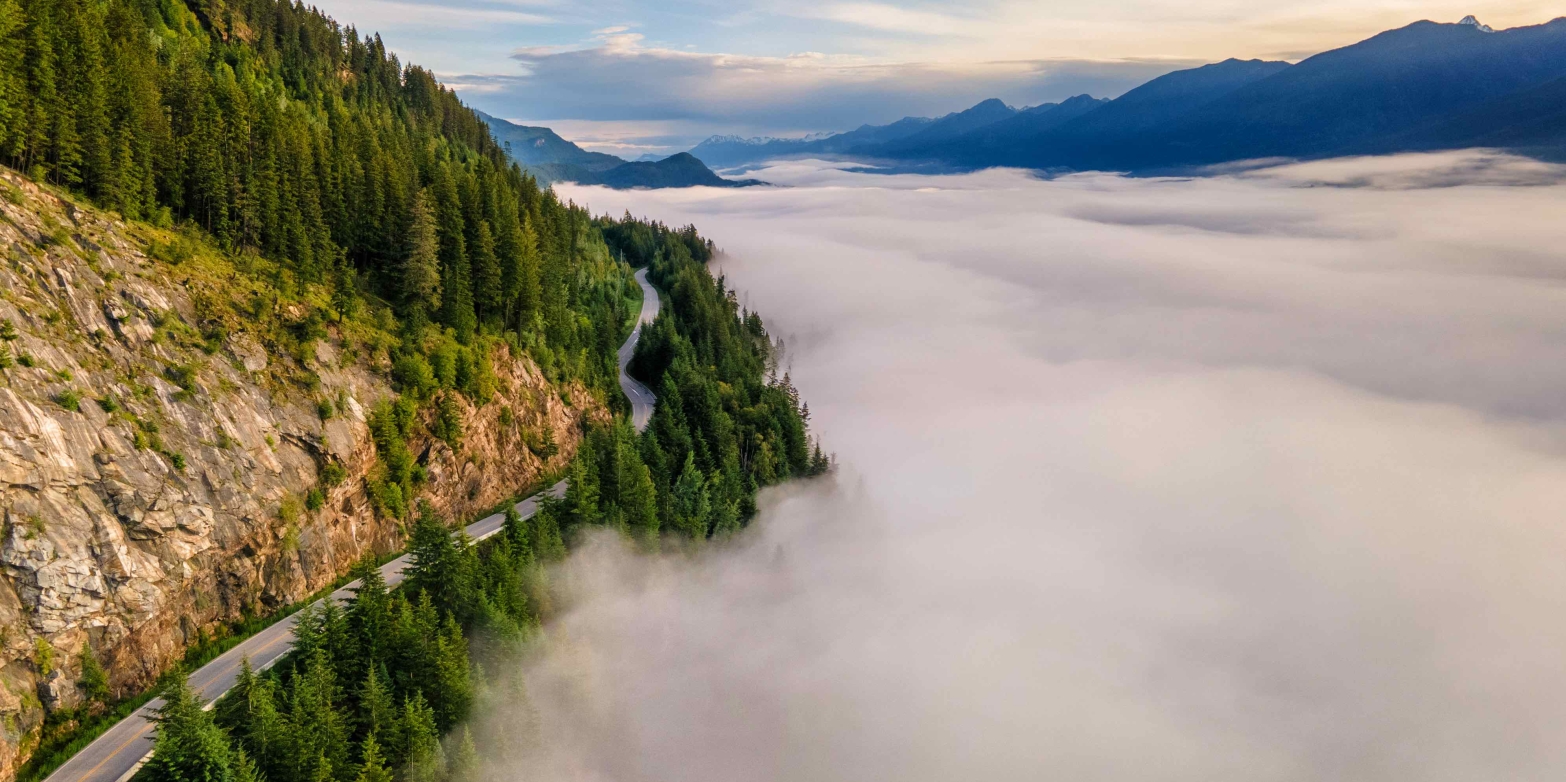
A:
641, 397
119, 752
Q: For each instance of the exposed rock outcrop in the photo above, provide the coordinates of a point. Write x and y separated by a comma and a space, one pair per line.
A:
133, 524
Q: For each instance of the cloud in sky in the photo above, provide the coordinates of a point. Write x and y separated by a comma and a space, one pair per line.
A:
468, 18
621, 80
895, 19
1254, 477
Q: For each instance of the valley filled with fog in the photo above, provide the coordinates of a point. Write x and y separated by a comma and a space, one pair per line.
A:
1257, 476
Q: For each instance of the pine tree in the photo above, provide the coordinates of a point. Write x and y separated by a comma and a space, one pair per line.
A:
452, 692
516, 533
692, 506
486, 272
317, 730
421, 278
377, 714
338, 641
12, 84
581, 496
369, 615
530, 293
189, 746
425, 761
86, 93
251, 712
308, 637
373, 767
245, 769
436, 567
41, 92
465, 761
547, 543
638, 497
457, 297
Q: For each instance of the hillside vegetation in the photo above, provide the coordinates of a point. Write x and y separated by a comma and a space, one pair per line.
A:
280, 133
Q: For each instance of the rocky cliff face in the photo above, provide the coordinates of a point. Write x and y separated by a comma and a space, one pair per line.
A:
157, 445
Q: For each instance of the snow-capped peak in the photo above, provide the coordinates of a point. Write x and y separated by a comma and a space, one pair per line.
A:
1471, 21
754, 141
761, 141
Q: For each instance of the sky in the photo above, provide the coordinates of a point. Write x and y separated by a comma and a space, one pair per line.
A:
632, 77
1253, 477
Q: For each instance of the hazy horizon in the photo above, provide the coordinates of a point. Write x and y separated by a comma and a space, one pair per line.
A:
643, 76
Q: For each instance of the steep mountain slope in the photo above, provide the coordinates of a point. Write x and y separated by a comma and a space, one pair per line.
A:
1169, 96
534, 146
982, 114
873, 140
1342, 100
1083, 128
174, 454
874, 134
1047, 116
993, 140
1532, 121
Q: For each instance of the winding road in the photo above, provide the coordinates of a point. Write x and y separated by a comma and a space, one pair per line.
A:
641, 397
117, 754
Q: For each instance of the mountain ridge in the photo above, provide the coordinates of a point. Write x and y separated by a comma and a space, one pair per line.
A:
1425, 85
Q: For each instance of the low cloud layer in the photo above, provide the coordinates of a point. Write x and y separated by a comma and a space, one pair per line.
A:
1252, 477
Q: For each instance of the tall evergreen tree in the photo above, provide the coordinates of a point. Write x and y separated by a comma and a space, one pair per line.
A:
692, 505
486, 272
421, 277
13, 85
377, 713
438, 567
425, 760
465, 761
373, 767
189, 746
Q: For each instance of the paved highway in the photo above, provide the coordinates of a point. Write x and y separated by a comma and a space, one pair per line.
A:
641, 398
120, 751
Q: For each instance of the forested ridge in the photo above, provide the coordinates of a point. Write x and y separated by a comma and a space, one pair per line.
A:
362, 192
726, 423
280, 133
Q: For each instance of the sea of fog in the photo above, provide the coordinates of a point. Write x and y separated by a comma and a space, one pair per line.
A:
1258, 476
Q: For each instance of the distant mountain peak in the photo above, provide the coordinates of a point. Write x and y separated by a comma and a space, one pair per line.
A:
1473, 22
992, 103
